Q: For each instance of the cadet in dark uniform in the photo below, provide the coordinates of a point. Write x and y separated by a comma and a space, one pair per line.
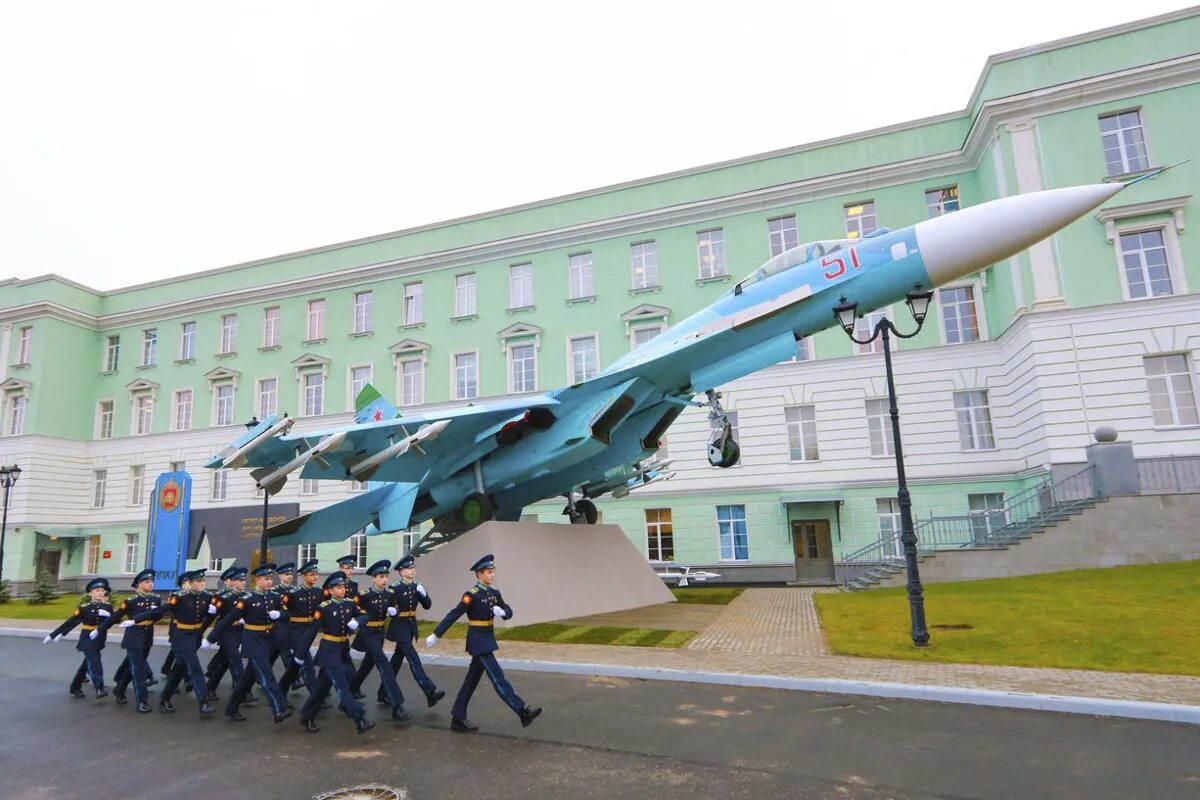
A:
192, 611
90, 613
346, 565
302, 627
406, 594
377, 602
258, 612
483, 605
337, 618
229, 657
138, 638
281, 642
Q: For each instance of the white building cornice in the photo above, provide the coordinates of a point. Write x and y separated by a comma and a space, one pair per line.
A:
310, 361
1170, 205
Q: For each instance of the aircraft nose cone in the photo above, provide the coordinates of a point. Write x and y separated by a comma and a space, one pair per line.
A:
962, 242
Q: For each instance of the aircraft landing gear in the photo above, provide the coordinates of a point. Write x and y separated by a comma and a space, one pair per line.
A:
723, 450
476, 509
581, 511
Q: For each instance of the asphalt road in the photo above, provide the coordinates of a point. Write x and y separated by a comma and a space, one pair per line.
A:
598, 738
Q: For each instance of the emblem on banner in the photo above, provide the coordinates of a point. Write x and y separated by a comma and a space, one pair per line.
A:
169, 497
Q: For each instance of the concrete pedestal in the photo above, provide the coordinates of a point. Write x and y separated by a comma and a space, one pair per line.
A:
546, 572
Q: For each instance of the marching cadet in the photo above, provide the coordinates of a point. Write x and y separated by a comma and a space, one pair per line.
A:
377, 603
138, 638
258, 612
406, 594
90, 612
302, 627
336, 618
346, 565
483, 605
281, 642
192, 611
229, 657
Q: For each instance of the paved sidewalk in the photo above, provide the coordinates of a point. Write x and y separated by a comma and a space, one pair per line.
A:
766, 622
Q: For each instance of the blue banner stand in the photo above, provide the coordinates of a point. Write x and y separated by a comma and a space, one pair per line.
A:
170, 511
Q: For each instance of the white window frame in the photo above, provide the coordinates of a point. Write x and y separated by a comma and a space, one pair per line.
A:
309, 487
1127, 168
358, 548
857, 231
413, 308
782, 234
796, 433
99, 488
139, 402
892, 515
884, 425
634, 330
149, 347
975, 421
1175, 268
91, 555
454, 373
466, 299
304, 404
520, 286
262, 411
985, 521
111, 413
176, 406
654, 535
937, 207
705, 242
217, 390
314, 320
745, 518
581, 276
24, 345
17, 403
137, 484
270, 330
571, 339
370, 368
306, 552
219, 488
187, 341
1190, 372
364, 312
400, 395
131, 559
643, 265
976, 288
871, 320
510, 364
228, 343
112, 353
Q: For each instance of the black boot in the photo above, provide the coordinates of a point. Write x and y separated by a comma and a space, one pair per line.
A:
363, 724
400, 715
119, 697
309, 725
434, 696
211, 697
143, 708
205, 708
528, 715
76, 693
166, 706
463, 725
101, 692
235, 715
282, 715
358, 694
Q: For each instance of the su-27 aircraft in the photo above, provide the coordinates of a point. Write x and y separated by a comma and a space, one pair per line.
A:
463, 466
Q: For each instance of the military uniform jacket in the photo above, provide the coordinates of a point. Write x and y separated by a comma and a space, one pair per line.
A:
189, 614
405, 598
477, 603
87, 614
301, 604
225, 601
253, 609
333, 618
280, 632
139, 636
351, 590
374, 603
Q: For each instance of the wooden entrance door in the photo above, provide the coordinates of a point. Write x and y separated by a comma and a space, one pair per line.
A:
813, 548
48, 562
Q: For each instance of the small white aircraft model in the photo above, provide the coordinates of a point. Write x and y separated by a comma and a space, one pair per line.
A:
682, 576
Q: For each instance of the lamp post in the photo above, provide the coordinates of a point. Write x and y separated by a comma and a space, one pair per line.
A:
262, 543
845, 312
8, 478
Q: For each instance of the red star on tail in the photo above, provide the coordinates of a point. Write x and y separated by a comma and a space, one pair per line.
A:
379, 415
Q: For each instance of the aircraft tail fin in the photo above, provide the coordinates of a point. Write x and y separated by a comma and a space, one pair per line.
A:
262, 472
388, 508
371, 406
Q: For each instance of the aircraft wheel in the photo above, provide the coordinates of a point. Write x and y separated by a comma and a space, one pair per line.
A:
730, 453
477, 509
585, 513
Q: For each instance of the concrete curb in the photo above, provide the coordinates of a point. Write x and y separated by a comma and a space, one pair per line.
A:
1063, 704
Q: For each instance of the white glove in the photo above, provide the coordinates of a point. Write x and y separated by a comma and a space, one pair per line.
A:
93, 634
352, 624
59, 638
47, 640
212, 609
273, 614
205, 644
431, 640
104, 613
127, 623
299, 661
391, 611
498, 612
421, 590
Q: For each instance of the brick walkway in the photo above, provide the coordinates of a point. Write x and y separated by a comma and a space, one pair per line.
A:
766, 622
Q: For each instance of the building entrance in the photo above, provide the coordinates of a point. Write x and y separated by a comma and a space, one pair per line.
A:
813, 549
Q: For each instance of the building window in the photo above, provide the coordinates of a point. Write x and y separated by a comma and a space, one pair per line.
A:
580, 276
183, 410
1124, 142
314, 394
974, 420
585, 359
224, 414
464, 295
522, 359
1144, 259
270, 334
520, 286
710, 251
359, 378
363, 312
466, 376
414, 311
228, 334
358, 486
735, 539
112, 353
268, 397
307, 552
220, 484
178, 466
960, 317
104, 423
643, 263
91, 556
1172, 395
358, 549
25, 345
187, 341
888, 511
16, 416
802, 432
803, 349
409, 539
412, 382
149, 347
132, 547
865, 327
99, 487
860, 219
309, 486
315, 328
645, 333
660, 540
879, 428
137, 484
987, 514
216, 565
143, 414
782, 234
942, 201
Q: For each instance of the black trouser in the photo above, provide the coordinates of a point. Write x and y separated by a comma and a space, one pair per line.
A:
302, 635
335, 674
374, 657
136, 670
186, 663
479, 665
258, 668
229, 658
92, 668
406, 650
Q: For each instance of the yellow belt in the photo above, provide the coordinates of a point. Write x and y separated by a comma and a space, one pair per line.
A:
266, 627
301, 619
331, 638
407, 614
145, 624
376, 623
189, 626
478, 623
87, 627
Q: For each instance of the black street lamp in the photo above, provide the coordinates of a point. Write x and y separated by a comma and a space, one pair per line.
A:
845, 312
8, 478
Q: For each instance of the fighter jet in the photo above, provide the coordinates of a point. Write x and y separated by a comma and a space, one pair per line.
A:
462, 466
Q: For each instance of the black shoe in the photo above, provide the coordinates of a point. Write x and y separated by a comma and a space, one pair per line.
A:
434, 696
463, 725
236, 716
251, 699
101, 692
363, 724
119, 697
282, 715
309, 725
528, 715
153, 680
143, 708
358, 695
205, 708
211, 697
381, 700
76, 693
166, 706
400, 715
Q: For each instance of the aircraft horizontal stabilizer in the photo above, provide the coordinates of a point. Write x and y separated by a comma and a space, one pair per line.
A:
388, 507
272, 488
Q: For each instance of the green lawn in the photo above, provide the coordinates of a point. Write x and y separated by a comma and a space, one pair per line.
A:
1124, 619
58, 609
584, 634
707, 595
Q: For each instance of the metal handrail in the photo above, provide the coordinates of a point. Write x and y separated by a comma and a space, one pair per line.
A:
1169, 474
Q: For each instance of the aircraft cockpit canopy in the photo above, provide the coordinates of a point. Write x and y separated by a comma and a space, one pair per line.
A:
792, 258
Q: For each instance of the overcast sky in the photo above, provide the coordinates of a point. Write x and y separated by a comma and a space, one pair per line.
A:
143, 140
